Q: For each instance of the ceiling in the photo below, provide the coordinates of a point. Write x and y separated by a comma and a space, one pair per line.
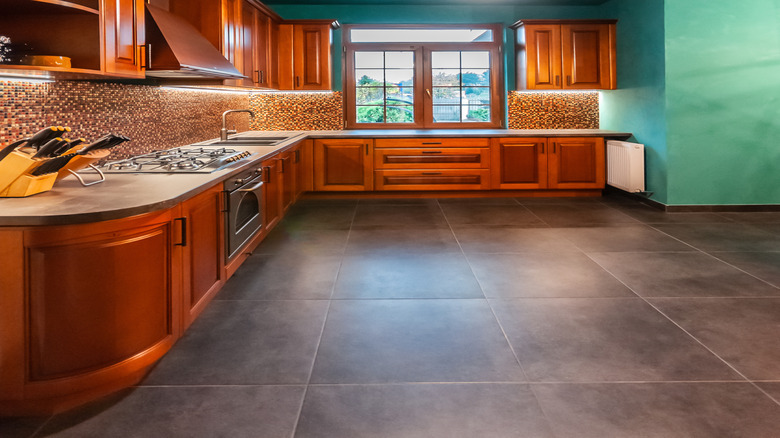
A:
439, 2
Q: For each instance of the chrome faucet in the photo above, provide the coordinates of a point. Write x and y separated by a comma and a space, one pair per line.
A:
223, 134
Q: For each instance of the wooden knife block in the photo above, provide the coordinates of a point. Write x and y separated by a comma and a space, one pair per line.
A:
12, 167
26, 185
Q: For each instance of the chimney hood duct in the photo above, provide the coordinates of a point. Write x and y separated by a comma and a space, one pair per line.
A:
177, 50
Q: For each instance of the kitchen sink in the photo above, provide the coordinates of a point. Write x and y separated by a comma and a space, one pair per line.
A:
248, 142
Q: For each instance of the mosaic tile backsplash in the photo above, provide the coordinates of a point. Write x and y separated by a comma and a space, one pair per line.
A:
153, 117
297, 111
551, 110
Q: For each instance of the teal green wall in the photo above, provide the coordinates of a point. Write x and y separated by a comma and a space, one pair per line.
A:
723, 101
638, 105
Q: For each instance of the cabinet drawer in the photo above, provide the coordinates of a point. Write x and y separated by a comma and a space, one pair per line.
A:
445, 179
432, 142
432, 158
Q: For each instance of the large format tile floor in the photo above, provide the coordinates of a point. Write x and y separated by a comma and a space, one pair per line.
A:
474, 318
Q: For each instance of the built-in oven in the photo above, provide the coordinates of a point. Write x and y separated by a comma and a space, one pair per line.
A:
244, 209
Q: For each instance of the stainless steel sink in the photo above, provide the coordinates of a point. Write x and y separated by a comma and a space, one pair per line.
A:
249, 142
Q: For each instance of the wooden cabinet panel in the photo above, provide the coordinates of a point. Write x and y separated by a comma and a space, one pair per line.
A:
304, 55
544, 57
587, 56
519, 163
464, 142
343, 165
438, 179
203, 270
288, 175
566, 54
577, 163
272, 196
99, 298
432, 158
123, 22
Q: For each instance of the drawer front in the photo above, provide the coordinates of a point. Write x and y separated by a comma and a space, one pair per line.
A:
444, 179
432, 158
432, 142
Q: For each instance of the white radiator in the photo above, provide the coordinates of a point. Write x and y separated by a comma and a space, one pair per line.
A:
626, 166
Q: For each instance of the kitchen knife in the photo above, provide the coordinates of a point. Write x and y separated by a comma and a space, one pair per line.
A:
10, 148
67, 146
97, 144
52, 165
43, 136
47, 149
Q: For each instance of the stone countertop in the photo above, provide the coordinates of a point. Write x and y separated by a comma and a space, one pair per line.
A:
125, 195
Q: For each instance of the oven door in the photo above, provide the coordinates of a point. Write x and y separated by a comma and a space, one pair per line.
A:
244, 218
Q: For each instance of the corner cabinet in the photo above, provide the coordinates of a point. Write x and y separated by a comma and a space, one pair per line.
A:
305, 60
548, 163
566, 54
102, 38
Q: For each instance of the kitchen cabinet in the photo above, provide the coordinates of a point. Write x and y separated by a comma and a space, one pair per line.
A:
258, 46
548, 163
203, 251
87, 309
305, 61
272, 192
432, 164
101, 37
566, 54
292, 171
343, 165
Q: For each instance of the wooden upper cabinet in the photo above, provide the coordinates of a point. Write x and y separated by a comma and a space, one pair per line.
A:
304, 54
258, 60
566, 54
123, 24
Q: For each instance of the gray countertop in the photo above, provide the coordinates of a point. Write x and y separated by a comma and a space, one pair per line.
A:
125, 195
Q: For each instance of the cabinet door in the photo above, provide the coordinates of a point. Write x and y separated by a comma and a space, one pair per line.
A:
123, 28
287, 172
519, 163
261, 47
588, 53
432, 179
343, 165
311, 48
543, 45
203, 268
272, 193
249, 36
576, 163
231, 32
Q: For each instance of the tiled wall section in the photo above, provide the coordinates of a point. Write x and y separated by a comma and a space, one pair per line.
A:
297, 111
153, 117
550, 110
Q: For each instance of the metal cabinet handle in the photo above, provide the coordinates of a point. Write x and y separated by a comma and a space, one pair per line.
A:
557, 80
431, 152
431, 142
297, 155
431, 173
297, 81
262, 76
183, 241
568, 79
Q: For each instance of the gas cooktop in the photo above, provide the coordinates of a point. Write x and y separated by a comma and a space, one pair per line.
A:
177, 160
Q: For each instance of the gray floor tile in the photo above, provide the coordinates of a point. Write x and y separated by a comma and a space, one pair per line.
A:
580, 200
682, 274
771, 388
399, 216
544, 275
479, 201
399, 201
225, 411
490, 215
773, 228
383, 341
304, 242
407, 240
650, 215
283, 277
743, 331
660, 410
753, 217
591, 340
579, 215
764, 265
477, 239
20, 427
626, 238
323, 217
245, 343
406, 275
422, 410
723, 237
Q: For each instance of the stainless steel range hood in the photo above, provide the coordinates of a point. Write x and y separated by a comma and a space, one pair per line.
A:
178, 50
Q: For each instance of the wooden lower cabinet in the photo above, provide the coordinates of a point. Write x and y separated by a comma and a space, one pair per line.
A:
100, 304
272, 192
203, 251
343, 165
432, 179
548, 163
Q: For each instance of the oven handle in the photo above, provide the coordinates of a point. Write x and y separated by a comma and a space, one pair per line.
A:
253, 188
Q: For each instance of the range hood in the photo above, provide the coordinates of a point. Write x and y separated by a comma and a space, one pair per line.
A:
177, 50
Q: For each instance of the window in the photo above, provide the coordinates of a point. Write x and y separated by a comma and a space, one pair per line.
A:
423, 76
